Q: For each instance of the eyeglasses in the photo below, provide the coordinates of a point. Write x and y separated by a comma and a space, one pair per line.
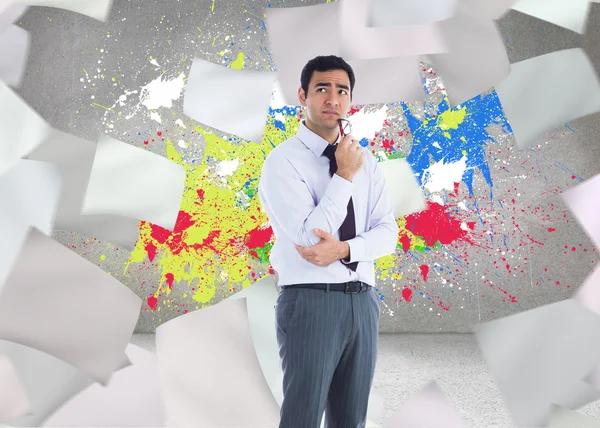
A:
345, 127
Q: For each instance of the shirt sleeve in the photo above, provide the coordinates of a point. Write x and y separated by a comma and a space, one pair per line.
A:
382, 237
287, 200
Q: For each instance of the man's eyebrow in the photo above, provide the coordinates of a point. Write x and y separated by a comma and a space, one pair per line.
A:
328, 85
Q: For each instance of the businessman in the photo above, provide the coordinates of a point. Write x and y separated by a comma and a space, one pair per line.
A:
327, 203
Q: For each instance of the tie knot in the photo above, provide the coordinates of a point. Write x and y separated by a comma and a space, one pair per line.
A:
330, 151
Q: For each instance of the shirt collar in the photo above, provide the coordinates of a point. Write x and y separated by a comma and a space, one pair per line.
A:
311, 140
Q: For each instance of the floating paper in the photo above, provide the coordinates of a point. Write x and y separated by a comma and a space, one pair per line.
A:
10, 15
135, 183
477, 58
426, 409
564, 418
48, 381
14, 51
376, 80
547, 91
131, 399
527, 352
75, 157
23, 129
261, 298
571, 14
97, 9
14, 401
487, 9
391, 13
234, 101
361, 42
209, 373
584, 202
59, 303
402, 186
29, 193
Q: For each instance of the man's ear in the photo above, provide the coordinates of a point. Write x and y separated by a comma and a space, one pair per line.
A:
302, 96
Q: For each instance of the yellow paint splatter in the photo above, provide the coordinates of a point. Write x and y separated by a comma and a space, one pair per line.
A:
238, 64
103, 257
451, 119
212, 8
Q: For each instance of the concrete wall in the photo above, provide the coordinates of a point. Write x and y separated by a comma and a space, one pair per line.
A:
525, 248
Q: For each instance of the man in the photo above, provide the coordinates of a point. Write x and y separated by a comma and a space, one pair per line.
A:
327, 203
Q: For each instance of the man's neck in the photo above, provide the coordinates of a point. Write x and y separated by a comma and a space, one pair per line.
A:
331, 136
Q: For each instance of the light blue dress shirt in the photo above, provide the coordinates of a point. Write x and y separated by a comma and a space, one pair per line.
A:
298, 195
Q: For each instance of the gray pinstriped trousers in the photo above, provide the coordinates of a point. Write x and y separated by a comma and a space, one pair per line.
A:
328, 346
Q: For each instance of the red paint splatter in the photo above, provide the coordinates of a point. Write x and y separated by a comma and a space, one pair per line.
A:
407, 294
387, 144
152, 302
424, 271
551, 229
170, 278
435, 224
257, 238
405, 241
151, 250
159, 133
145, 141
201, 194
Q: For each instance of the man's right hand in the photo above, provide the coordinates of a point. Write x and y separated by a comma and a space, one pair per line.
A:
349, 157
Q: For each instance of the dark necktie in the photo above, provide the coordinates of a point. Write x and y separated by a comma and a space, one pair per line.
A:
348, 227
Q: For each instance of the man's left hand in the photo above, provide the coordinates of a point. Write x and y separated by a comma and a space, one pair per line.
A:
327, 251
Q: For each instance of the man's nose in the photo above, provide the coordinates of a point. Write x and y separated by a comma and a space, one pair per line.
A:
333, 100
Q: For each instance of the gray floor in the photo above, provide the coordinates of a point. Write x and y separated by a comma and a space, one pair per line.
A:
407, 362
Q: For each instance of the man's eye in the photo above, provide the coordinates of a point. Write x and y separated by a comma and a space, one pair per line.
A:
343, 92
320, 89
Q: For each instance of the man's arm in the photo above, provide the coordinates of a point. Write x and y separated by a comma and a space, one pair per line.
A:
382, 237
287, 199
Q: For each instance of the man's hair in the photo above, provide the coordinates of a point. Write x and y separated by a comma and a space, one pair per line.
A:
325, 63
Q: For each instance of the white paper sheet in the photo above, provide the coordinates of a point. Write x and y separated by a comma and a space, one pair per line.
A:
23, 129
11, 14
97, 9
75, 157
391, 13
547, 91
428, 408
376, 80
14, 401
131, 399
489, 9
14, 51
358, 41
29, 193
527, 352
261, 298
589, 292
402, 186
67, 307
209, 373
571, 14
234, 101
133, 182
48, 381
584, 202
477, 59
565, 418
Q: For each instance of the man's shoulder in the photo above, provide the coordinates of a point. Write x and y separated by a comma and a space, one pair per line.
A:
289, 149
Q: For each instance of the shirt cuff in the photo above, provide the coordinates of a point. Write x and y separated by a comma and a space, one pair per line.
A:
357, 250
339, 190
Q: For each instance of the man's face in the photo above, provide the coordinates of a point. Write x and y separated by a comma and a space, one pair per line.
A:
328, 98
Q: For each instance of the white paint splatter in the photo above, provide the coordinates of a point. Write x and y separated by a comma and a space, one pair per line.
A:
153, 62
226, 168
155, 116
182, 144
180, 123
366, 125
442, 176
437, 145
161, 93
